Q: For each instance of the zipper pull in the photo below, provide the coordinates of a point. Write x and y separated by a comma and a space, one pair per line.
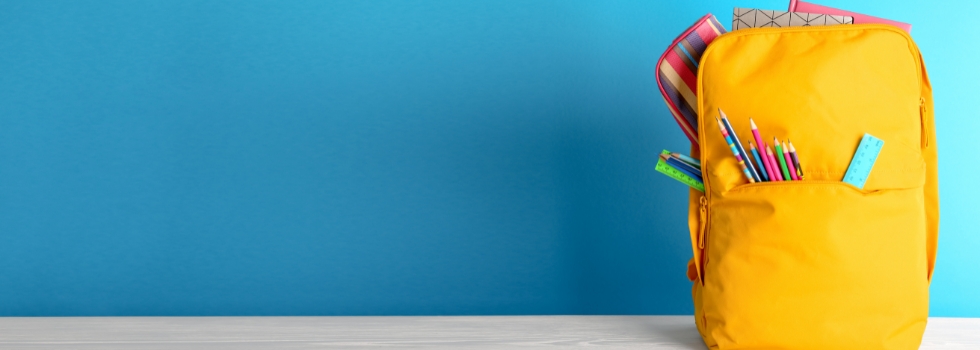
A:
702, 222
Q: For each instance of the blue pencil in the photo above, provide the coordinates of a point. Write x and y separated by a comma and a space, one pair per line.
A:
738, 145
687, 159
738, 156
758, 160
682, 165
683, 170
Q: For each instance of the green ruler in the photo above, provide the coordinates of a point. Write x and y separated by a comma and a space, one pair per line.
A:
668, 170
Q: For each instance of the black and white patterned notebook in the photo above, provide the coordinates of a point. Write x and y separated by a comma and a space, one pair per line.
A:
754, 18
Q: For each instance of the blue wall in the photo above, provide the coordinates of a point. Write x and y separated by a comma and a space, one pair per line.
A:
377, 157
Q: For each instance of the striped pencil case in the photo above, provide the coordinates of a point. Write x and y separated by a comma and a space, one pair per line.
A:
677, 72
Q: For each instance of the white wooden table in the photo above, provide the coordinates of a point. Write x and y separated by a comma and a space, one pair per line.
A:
455, 332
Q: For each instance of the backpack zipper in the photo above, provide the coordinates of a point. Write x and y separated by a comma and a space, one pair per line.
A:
703, 223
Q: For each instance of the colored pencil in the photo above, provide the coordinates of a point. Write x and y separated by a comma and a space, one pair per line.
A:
683, 169
738, 156
789, 162
775, 167
738, 144
687, 168
796, 160
765, 162
782, 160
687, 159
758, 160
762, 150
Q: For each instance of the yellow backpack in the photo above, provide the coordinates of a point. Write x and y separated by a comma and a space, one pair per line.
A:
816, 264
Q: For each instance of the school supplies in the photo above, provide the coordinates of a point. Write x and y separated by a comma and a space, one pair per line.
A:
775, 164
758, 160
738, 156
686, 159
796, 160
682, 166
738, 144
766, 162
758, 140
789, 162
677, 72
675, 174
803, 6
863, 160
763, 160
782, 160
754, 18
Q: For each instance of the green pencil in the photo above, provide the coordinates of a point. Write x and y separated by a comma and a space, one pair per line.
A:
782, 160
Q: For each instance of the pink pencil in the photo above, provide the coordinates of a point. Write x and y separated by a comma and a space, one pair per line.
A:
767, 160
789, 163
772, 159
762, 151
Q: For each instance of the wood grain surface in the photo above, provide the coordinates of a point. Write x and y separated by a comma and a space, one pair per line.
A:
450, 332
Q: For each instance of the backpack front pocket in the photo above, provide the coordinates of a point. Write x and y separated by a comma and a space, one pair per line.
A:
835, 265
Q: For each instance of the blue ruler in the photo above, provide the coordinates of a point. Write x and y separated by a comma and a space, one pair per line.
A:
863, 160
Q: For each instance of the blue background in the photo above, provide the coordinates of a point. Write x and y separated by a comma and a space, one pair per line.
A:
380, 157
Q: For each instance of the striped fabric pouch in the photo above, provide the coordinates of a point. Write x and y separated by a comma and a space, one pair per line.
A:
677, 72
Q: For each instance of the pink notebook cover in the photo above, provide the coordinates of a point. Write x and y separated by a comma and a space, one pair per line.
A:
803, 6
